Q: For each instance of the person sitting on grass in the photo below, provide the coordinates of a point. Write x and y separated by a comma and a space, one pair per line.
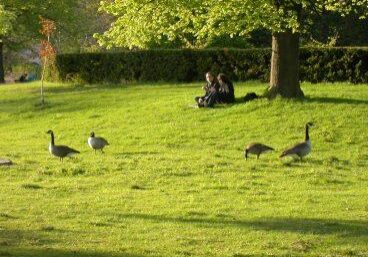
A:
211, 92
22, 78
226, 91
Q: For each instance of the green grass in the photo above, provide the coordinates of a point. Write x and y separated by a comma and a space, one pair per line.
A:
174, 181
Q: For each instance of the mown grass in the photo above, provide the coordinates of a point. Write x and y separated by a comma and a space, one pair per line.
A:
174, 181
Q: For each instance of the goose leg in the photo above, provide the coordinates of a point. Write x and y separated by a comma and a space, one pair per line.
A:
258, 156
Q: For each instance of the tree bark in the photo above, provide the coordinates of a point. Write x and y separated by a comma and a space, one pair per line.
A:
42, 80
2, 73
284, 79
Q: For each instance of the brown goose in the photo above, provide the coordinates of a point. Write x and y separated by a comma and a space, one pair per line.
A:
60, 151
257, 149
302, 149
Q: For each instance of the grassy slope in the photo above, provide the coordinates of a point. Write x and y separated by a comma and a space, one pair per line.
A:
174, 181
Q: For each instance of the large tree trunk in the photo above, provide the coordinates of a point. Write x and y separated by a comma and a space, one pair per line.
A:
284, 80
2, 73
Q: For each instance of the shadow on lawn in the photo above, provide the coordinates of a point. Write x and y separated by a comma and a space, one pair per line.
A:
335, 100
49, 252
37, 243
307, 99
103, 86
124, 154
346, 228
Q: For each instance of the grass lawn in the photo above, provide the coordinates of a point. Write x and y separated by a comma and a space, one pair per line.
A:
174, 181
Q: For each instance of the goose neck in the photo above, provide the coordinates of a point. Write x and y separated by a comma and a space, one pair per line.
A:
306, 133
52, 139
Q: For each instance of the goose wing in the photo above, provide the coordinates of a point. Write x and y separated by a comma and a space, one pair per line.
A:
265, 148
97, 142
296, 149
258, 147
103, 140
70, 150
63, 150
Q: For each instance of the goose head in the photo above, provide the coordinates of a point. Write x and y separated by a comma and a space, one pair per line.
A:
92, 134
309, 124
50, 132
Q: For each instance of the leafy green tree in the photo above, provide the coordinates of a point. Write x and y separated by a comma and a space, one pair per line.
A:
19, 25
196, 22
77, 35
334, 30
6, 20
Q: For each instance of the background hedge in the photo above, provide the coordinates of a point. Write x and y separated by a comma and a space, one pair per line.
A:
317, 65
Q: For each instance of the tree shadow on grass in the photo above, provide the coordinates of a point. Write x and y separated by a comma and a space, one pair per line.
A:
323, 100
103, 86
49, 252
296, 162
335, 100
307, 99
345, 228
37, 244
14, 238
138, 153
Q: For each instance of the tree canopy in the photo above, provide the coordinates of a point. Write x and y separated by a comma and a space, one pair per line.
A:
6, 20
138, 23
24, 25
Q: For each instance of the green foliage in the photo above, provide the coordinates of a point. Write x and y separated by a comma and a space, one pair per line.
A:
334, 64
333, 30
25, 25
196, 22
6, 20
20, 28
174, 182
317, 64
75, 20
162, 65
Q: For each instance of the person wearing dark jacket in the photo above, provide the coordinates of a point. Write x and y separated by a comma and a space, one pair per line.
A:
226, 90
211, 92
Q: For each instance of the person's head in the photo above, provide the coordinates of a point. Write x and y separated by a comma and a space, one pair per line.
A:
209, 77
222, 78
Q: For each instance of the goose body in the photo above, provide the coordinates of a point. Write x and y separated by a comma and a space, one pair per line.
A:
60, 151
257, 149
97, 143
301, 149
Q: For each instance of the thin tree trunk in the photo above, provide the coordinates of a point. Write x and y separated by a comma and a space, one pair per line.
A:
284, 79
42, 80
2, 73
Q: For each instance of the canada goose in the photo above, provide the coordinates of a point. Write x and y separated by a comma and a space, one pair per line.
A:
60, 151
257, 149
97, 143
302, 149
